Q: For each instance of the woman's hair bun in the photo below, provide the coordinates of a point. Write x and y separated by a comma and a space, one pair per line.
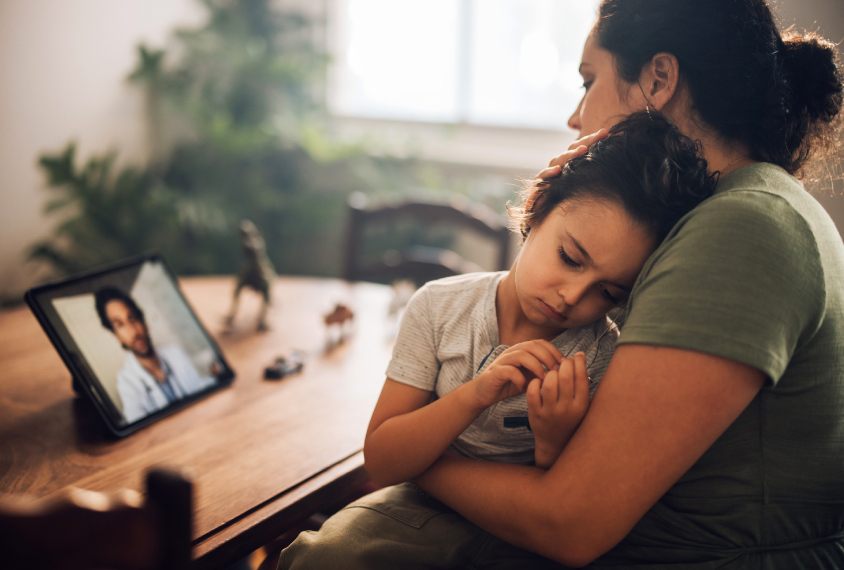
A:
777, 94
816, 82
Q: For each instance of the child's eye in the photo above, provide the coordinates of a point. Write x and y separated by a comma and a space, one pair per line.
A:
568, 260
612, 298
587, 84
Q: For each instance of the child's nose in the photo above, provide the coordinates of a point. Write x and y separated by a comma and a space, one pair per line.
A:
573, 291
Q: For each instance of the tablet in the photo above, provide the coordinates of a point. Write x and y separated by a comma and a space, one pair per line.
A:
131, 341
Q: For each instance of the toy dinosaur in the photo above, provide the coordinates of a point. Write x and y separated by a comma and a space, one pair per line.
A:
257, 272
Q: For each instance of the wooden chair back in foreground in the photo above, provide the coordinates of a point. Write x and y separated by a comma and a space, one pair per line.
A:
421, 263
94, 530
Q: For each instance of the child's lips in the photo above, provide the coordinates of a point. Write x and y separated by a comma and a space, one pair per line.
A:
551, 313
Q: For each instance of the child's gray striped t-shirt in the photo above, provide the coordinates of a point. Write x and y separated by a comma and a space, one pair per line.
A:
449, 333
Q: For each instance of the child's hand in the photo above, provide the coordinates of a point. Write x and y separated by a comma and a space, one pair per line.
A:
509, 374
556, 406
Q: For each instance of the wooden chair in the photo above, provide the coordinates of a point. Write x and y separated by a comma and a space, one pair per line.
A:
94, 530
420, 263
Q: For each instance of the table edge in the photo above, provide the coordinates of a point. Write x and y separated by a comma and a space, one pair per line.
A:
269, 520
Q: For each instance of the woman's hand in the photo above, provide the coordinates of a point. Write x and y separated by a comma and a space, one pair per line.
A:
578, 147
556, 406
509, 374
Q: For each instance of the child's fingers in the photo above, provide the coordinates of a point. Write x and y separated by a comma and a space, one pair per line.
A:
550, 388
526, 360
534, 396
566, 380
542, 350
514, 375
581, 376
550, 353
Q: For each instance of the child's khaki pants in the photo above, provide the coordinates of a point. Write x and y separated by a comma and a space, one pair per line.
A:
403, 528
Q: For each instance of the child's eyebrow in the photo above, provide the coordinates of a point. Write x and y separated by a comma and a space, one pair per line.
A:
582, 65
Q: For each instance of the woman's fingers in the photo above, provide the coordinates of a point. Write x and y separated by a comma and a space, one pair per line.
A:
550, 172
555, 167
589, 140
567, 156
578, 147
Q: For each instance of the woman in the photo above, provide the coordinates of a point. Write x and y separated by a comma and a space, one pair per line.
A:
716, 439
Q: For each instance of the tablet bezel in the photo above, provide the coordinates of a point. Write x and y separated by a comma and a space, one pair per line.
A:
82, 374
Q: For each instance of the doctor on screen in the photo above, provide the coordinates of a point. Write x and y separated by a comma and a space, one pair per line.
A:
152, 377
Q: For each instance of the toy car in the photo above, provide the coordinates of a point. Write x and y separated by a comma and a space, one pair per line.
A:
284, 367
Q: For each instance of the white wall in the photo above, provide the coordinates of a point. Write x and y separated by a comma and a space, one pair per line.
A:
63, 65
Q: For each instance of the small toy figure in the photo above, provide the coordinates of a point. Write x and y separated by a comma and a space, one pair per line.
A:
257, 272
339, 318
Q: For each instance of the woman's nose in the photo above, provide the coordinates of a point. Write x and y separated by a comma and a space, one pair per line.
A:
574, 121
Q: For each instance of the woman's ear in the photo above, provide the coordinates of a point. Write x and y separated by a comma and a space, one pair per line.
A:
659, 79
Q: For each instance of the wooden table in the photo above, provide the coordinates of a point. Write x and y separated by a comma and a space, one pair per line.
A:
264, 454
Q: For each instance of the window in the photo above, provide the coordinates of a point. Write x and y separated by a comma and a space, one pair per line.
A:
504, 63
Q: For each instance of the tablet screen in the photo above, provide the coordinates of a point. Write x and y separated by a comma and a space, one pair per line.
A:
130, 337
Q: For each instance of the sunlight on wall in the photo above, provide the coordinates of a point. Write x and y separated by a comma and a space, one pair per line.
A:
485, 62
63, 66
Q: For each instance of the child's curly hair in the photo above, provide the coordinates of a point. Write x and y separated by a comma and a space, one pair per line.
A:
646, 165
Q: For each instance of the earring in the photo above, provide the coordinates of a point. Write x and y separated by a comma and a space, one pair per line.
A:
647, 105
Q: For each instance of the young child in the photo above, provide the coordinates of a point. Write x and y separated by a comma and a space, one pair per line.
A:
477, 354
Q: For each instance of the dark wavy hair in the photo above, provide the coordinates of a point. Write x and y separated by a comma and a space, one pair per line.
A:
780, 95
108, 294
645, 165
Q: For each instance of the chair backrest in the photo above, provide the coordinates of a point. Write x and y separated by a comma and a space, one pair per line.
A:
94, 530
421, 263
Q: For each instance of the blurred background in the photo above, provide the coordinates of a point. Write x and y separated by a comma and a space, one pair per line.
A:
129, 126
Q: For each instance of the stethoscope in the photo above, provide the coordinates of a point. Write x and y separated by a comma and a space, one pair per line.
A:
171, 379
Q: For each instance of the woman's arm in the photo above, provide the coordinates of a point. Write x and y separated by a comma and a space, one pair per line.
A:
656, 412
406, 434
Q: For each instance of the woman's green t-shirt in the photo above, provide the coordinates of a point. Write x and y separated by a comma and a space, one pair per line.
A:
754, 274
